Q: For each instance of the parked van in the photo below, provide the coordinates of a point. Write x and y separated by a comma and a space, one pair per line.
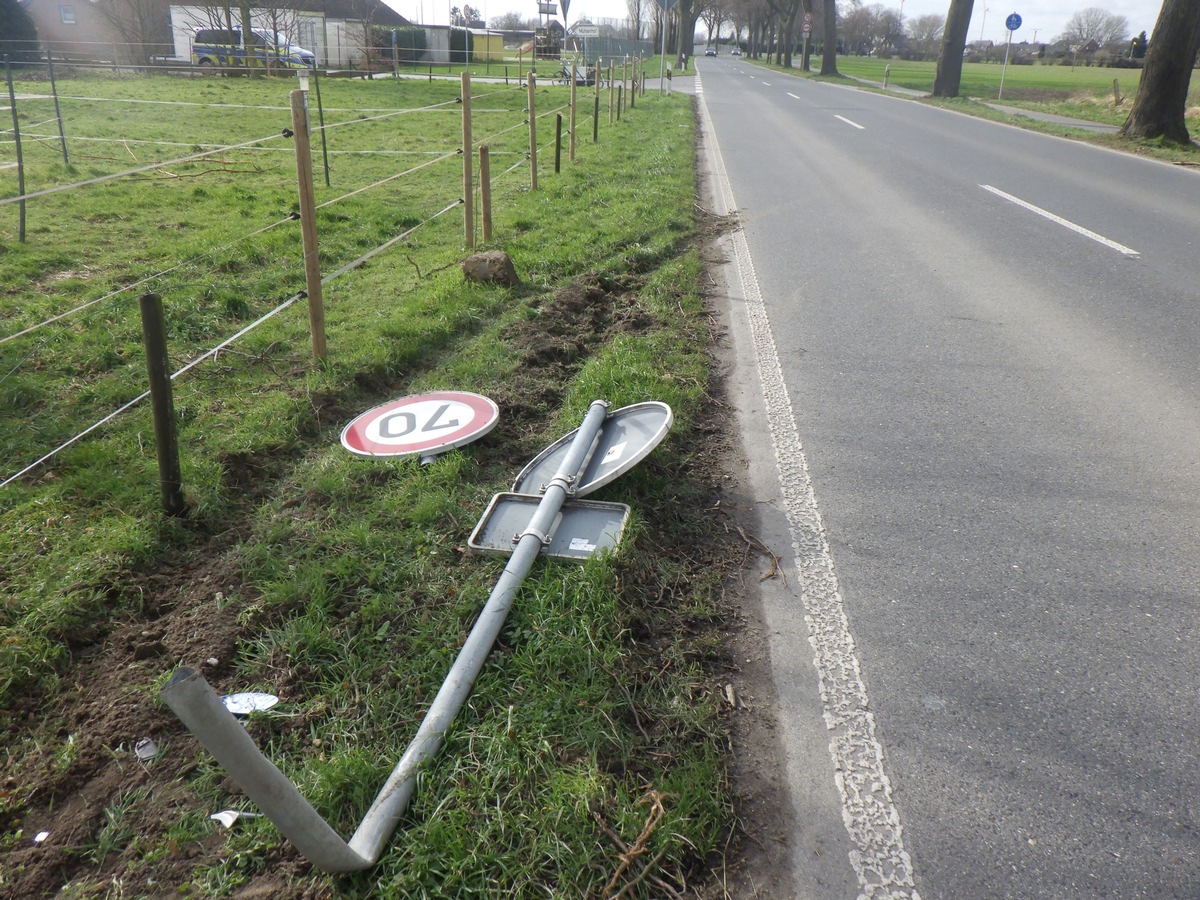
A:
223, 47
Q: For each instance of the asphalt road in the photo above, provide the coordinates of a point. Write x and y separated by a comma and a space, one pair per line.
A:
973, 354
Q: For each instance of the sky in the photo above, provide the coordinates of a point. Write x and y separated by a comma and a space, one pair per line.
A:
1041, 20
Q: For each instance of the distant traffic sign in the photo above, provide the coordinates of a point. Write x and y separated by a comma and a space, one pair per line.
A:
587, 31
1013, 22
424, 424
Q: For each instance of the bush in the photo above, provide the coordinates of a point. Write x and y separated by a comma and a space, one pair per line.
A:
19, 41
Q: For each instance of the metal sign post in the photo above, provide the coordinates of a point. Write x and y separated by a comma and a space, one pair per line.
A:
585, 459
1012, 23
665, 6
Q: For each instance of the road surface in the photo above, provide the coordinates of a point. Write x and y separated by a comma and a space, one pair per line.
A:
973, 411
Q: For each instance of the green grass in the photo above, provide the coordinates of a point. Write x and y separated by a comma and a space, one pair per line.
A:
339, 583
1082, 92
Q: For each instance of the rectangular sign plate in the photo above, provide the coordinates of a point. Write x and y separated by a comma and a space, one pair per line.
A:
582, 528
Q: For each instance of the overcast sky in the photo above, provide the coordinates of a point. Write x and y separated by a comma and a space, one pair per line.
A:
1041, 20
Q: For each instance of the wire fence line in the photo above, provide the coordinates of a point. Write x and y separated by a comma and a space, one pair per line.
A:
364, 117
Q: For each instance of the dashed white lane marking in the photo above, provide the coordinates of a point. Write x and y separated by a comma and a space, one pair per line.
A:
1065, 223
793, 96
852, 124
766, 84
879, 859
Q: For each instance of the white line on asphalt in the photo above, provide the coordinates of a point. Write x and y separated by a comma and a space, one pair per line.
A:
870, 816
793, 96
766, 84
848, 122
1098, 238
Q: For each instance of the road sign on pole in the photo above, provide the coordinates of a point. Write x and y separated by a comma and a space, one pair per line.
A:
1012, 23
425, 424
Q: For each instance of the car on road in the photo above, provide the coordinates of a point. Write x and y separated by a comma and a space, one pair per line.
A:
709, 51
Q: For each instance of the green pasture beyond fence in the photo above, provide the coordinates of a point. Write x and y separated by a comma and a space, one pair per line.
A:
214, 160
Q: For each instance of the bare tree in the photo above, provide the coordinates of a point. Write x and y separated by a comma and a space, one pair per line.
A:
954, 41
1159, 107
637, 17
712, 15
1095, 24
509, 21
925, 33
829, 38
140, 24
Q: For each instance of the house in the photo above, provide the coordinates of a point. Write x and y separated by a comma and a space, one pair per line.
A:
77, 29
339, 32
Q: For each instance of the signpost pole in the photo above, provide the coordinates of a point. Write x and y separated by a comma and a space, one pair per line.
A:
1012, 23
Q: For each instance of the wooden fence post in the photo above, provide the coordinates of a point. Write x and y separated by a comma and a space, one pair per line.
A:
532, 133
571, 140
158, 371
611, 92
485, 190
12, 103
468, 154
308, 223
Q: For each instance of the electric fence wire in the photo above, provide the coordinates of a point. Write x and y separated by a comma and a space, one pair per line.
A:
212, 353
129, 287
150, 168
384, 181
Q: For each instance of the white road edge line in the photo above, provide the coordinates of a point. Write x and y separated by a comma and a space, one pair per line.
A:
883, 866
1098, 238
848, 122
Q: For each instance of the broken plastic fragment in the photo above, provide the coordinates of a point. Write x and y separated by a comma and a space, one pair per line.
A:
228, 816
40, 836
252, 701
145, 749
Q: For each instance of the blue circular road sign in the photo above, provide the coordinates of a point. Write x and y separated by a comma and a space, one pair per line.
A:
1013, 22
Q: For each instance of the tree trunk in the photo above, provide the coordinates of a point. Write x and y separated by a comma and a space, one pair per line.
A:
806, 52
954, 42
1158, 109
829, 37
789, 33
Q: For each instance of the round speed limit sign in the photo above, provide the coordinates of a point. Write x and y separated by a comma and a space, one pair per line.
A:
424, 424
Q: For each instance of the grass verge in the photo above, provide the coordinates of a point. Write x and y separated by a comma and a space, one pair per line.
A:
590, 759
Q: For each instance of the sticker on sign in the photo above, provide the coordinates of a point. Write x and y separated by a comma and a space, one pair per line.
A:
423, 424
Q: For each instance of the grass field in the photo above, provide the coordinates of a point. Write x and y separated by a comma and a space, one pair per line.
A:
1082, 92
342, 584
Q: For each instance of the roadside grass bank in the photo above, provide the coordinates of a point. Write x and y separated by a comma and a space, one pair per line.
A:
590, 760
1083, 92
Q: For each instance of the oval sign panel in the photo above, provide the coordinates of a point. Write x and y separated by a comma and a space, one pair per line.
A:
423, 424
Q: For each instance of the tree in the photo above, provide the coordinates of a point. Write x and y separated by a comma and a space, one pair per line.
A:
637, 17
1094, 24
1161, 102
925, 33
954, 42
510, 21
829, 37
18, 35
712, 15
140, 24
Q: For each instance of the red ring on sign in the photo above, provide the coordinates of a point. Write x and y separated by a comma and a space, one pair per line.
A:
422, 424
